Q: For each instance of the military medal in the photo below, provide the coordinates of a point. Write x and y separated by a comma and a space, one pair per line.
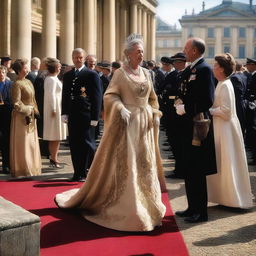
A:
83, 93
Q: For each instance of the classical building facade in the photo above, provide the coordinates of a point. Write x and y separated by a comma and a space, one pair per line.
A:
53, 28
168, 39
228, 27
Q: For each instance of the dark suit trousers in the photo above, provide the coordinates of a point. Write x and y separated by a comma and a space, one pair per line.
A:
82, 146
195, 184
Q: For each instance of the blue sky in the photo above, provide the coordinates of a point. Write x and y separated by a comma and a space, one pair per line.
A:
172, 10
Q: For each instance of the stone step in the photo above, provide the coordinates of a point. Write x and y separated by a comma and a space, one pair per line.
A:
19, 230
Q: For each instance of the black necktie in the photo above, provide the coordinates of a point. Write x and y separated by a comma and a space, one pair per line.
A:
76, 72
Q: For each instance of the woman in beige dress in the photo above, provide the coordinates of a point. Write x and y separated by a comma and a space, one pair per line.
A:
230, 186
54, 128
123, 187
25, 159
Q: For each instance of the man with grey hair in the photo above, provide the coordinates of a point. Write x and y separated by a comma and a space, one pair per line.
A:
81, 107
34, 66
196, 96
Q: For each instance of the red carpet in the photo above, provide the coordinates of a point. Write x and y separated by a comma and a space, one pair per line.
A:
68, 234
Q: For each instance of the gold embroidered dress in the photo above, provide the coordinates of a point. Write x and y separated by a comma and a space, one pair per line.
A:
122, 190
25, 158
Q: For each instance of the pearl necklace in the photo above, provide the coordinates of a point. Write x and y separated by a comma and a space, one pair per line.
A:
135, 72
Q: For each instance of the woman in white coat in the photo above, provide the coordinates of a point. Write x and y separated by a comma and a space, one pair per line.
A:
231, 185
54, 128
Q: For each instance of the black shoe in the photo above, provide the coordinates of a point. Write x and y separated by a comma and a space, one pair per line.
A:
253, 162
195, 218
185, 213
81, 179
172, 176
6, 170
77, 179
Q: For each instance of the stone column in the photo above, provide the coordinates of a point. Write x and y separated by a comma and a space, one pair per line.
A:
5, 42
99, 30
89, 28
219, 44
123, 30
153, 38
144, 31
21, 34
109, 36
139, 24
118, 28
66, 31
234, 35
134, 18
49, 40
249, 42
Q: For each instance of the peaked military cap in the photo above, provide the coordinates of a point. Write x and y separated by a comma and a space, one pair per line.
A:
115, 64
105, 64
4, 59
179, 56
166, 60
250, 61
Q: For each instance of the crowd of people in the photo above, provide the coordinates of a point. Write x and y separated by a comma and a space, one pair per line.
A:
208, 114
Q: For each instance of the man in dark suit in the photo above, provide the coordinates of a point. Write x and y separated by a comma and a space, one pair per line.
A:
81, 106
239, 82
35, 65
174, 126
251, 109
197, 83
106, 73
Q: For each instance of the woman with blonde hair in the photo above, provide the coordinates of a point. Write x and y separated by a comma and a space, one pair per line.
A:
123, 187
54, 129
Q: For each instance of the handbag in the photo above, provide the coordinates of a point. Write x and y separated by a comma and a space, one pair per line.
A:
201, 126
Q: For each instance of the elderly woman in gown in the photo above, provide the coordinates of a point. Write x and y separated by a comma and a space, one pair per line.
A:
25, 158
231, 185
123, 187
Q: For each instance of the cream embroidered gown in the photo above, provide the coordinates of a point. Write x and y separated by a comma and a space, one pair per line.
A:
25, 158
122, 190
231, 185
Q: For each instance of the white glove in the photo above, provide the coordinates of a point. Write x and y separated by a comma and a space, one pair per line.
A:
31, 108
156, 120
125, 114
215, 111
64, 118
180, 109
94, 123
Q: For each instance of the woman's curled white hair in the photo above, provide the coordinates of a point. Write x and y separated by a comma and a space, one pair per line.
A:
133, 39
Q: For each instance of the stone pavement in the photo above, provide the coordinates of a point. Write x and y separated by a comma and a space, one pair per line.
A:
229, 232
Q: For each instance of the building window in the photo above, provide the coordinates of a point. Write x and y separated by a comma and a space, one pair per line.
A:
211, 52
255, 33
226, 32
165, 43
226, 48
241, 54
242, 32
159, 43
254, 52
190, 32
210, 32
176, 43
